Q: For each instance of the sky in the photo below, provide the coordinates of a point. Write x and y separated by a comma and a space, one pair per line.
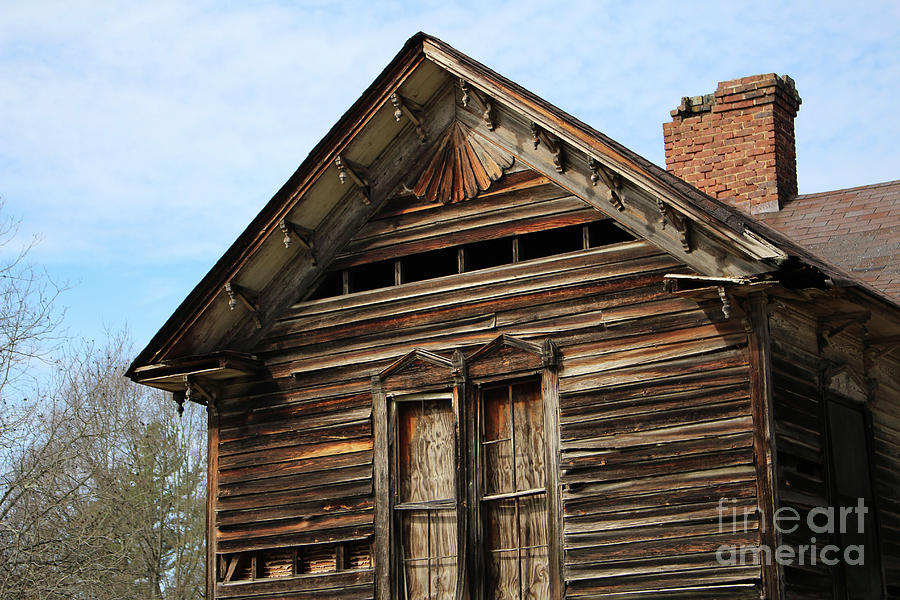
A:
137, 140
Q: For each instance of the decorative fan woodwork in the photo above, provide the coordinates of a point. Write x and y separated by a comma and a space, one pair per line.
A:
464, 165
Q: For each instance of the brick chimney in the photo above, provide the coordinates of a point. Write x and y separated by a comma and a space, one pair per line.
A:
737, 144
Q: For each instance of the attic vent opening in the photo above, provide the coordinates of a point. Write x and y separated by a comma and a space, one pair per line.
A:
469, 257
298, 560
603, 233
429, 265
489, 253
371, 276
332, 285
551, 241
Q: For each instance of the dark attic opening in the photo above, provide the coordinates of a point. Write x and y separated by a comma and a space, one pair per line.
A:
465, 258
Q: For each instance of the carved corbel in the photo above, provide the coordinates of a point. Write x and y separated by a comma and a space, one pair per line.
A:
485, 101
246, 297
401, 109
678, 222
488, 114
830, 326
303, 235
553, 144
458, 368
180, 397
594, 166
550, 357
345, 171
612, 181
196, 392
726, 302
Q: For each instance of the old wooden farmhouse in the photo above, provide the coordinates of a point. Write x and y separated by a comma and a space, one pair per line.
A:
475, 349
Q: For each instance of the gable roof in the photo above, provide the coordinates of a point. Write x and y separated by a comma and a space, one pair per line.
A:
389, 136
857, 229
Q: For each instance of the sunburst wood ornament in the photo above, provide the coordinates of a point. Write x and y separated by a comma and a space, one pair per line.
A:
464, 165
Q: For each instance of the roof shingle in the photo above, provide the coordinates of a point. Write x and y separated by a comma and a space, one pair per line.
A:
857, 229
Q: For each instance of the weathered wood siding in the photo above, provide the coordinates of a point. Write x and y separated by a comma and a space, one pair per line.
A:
886, 433
801, 358
656, 421
800, 443
656, 428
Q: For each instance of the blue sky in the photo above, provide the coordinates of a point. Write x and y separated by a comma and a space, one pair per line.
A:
138, 139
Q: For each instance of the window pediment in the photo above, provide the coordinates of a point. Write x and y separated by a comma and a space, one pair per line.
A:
419, 369
504, 355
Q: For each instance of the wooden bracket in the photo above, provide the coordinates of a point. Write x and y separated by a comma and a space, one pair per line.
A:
488, 114
726, 288
550, 357
464, 87
485, 101
250, 299
196, 392
345, 171
458, 367
612, 181
678, 222
831, 325
554, 146
726, 303
401, 109
303, 235
179, 397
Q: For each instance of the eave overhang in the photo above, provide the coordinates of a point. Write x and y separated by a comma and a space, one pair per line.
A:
174, 375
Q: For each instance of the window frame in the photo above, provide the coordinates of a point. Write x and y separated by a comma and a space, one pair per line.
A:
504, 360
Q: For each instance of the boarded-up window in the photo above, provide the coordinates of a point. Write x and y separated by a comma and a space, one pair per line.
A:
514, 492
425, 497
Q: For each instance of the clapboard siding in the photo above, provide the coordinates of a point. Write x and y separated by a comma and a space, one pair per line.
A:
645, 463
655, 414
655, 409
799, 440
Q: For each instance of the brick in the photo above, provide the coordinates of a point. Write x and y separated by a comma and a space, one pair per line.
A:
735, 143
